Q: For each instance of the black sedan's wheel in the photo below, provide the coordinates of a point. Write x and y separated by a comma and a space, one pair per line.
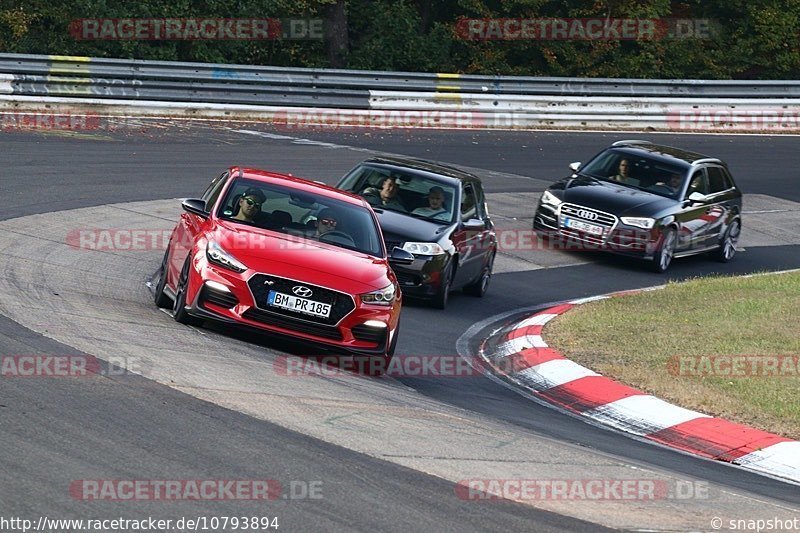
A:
727, 248
441, 297
160, 298
663, 257
479, 288
179, 308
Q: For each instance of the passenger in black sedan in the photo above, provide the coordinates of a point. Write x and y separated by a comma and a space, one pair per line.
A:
436, 208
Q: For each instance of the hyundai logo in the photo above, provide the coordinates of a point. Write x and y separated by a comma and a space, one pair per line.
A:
302, 292
588, 215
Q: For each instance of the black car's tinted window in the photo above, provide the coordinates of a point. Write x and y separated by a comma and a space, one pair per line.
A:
294, 212
717, 180
698, 183
469, 204
483, 211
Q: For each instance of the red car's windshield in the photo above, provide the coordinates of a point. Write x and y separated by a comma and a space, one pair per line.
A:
302, 214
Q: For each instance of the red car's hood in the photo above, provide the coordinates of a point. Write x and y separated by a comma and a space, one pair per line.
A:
302, 259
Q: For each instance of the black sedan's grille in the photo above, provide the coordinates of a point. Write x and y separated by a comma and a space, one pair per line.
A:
273, 319
404, 278
390, 245
391, 241
261, 285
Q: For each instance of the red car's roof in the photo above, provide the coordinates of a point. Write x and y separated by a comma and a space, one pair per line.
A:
297, 183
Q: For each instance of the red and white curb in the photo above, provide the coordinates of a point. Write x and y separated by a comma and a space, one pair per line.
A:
519, 354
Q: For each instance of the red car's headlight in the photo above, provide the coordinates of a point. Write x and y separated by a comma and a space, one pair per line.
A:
384, 296
220, 257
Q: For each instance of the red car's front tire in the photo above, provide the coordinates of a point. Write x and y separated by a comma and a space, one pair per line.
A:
160, 298
179, 308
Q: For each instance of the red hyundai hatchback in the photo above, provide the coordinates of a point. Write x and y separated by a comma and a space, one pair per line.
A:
285, 255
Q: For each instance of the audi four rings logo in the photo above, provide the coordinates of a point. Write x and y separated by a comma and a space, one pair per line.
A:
588, 215
302, 292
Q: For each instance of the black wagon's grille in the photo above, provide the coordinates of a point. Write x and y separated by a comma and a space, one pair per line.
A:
261, 285
589, 215
606, 221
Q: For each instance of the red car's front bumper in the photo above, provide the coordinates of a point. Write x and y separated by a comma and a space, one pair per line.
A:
217, 294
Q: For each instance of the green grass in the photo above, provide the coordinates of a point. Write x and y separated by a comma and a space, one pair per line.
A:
633, 339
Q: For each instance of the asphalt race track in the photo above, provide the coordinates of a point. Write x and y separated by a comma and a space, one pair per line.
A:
172, 423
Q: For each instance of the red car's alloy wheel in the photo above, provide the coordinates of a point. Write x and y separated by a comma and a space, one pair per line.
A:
179, 309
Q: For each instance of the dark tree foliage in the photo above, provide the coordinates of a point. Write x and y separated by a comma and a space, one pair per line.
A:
746, 39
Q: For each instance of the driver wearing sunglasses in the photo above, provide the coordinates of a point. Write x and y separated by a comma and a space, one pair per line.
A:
250, 205
326, 221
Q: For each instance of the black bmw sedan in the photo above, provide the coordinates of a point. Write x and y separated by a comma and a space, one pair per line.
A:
645, 200
438, 214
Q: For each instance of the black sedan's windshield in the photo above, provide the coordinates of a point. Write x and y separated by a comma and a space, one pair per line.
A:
409, 194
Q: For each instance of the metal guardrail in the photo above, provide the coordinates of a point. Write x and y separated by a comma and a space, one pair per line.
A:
539, 101
213, 82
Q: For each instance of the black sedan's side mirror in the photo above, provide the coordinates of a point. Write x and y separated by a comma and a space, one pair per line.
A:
575, 166
474, 224
401, 257
195, 206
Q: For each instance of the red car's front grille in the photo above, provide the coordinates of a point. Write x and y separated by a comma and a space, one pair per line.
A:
341, 304
273, 319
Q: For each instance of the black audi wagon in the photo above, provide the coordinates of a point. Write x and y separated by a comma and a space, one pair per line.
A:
645, 200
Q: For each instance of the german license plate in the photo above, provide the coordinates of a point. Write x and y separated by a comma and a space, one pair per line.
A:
583, 226
299, 305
